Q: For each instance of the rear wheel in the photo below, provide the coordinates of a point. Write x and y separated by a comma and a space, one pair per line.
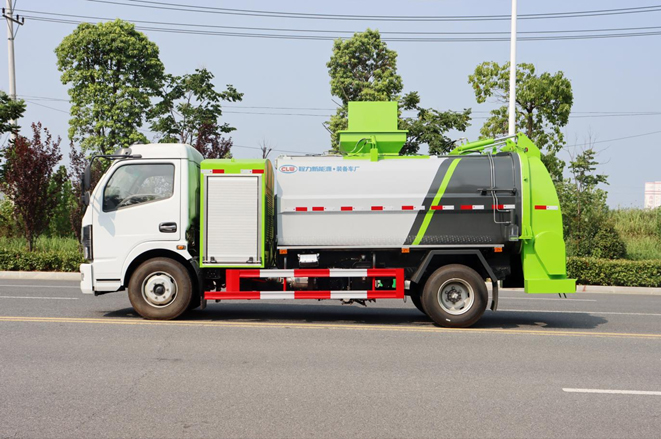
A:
455, 296
160, 289
417, 301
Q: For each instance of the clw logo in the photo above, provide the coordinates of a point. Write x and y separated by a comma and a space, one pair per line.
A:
288, 169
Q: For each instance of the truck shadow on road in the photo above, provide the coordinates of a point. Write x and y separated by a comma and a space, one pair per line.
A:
354, 315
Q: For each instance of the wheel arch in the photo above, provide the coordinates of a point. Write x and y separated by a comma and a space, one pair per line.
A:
471, 258
189, 265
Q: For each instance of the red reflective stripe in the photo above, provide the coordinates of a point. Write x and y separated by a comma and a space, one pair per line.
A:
346, 208
238, 295
301, 209
249, 273
218, 171
312, 294
381, 272
498, 206
377, 207
383, 294
437, 208
311, 272
317, 209
540, 207
257, 171
407, 207
466, 207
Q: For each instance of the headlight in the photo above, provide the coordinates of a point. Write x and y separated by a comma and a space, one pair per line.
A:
86, 241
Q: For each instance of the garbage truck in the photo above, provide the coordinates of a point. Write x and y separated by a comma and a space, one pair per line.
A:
358, 225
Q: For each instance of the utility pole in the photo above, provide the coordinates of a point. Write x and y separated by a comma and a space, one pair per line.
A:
512, 106
8, 13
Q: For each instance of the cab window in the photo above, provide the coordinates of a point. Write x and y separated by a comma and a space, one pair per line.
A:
135, 184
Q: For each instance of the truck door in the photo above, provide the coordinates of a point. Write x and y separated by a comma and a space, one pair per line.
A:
139, 203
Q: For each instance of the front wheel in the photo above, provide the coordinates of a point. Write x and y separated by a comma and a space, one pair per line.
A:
455, 296
160, 289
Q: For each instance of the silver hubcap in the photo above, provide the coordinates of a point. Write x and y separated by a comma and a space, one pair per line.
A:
159, 289
456, 296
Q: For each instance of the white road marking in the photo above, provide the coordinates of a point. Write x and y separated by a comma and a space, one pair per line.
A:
543, 298
582, 312
43, 298
45, 286
617, 392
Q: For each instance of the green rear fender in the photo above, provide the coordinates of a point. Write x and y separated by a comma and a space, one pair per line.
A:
543, 251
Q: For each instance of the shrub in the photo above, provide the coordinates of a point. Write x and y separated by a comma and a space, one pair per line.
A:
618, 272
20, 260
608, 244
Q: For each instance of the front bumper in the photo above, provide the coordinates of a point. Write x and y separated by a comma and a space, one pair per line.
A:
86, 279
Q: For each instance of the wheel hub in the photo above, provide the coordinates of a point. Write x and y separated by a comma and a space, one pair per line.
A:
159, 289
453, 295
456, 296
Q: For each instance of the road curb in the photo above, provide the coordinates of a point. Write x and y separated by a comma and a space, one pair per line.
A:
602, 289
598, 289
40, 275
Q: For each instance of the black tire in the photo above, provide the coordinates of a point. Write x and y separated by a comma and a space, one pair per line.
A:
149, 300
455, 296
417, 301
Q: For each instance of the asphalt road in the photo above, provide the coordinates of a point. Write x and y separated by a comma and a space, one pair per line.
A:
78, 366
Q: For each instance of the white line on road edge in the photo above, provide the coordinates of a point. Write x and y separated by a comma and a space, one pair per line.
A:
45, 287
581, 312
541, 298
618, 392
44, 298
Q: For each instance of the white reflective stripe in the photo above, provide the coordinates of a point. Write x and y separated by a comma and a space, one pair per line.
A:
276, 295
348, 273
276, 273
477, 207
356, 209
509, 206
551, 207
444, 207
206, 171
246, 171
348, 294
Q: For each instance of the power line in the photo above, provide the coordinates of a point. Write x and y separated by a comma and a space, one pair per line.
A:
304, 152
620, 138
574, 114
45, 106
309, 16
330, 38
346, 32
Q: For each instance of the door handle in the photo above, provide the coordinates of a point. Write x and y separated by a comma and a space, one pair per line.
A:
167, 227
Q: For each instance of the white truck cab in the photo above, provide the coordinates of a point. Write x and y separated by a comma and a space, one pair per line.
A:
145, 206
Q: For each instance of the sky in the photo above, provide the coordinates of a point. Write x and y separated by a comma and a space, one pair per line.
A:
286, 84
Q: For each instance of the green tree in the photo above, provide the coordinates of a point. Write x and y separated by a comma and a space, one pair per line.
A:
10, 110
543, 104
62, 190
587, 227
362, 68
113, 71
190, 110
430, 126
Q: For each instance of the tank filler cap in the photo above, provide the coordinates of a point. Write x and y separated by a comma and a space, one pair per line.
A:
372, 125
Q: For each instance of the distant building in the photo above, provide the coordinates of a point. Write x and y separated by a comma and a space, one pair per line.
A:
652, 195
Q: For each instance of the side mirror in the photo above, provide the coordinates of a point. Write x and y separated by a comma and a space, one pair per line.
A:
87, 178
85, 197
